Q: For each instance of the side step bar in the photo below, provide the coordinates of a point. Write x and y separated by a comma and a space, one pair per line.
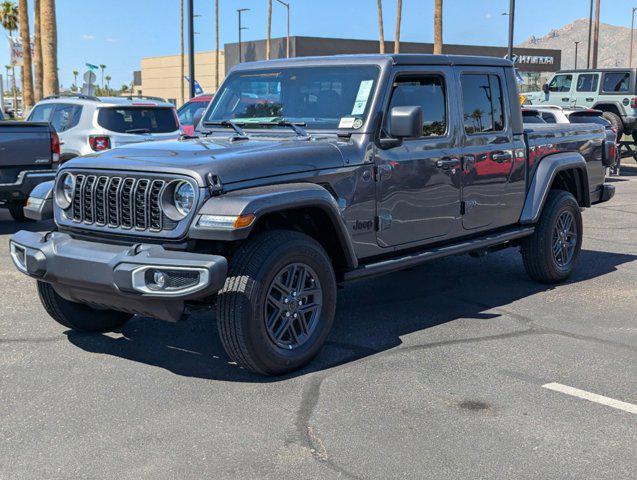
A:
413, 259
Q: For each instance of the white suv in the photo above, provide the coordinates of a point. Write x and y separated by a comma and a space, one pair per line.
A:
92, 124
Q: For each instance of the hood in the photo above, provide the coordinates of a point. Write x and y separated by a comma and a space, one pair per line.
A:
231, 161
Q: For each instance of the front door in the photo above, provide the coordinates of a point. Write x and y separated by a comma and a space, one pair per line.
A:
419, 181
586, 87
560, 90
488, 153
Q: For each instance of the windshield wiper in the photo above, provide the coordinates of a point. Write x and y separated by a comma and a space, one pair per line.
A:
138, 130
227, 123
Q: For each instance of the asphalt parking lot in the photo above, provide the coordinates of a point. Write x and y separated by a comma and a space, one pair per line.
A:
438, 372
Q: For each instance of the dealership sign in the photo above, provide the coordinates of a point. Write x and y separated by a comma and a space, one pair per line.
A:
535, 60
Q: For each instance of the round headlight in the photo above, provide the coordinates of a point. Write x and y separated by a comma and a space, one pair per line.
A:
65, 191
184, 197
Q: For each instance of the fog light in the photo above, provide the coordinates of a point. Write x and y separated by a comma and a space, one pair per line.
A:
155, 279
160, 279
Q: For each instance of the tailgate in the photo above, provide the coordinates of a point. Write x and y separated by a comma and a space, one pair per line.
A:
24, 144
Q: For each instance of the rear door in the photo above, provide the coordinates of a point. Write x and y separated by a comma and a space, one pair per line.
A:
419, 181
488, 145
586, 87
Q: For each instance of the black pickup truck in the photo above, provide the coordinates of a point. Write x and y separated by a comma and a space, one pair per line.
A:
306, 174
29, 155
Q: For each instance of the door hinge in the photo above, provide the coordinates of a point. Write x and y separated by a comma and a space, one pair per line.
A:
382, 222
463, 207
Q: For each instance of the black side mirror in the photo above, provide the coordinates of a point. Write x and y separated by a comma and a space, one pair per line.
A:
405, 122
545, 88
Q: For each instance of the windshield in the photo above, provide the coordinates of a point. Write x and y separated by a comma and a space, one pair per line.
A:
189, 111
138, 119
588, 118
319, 97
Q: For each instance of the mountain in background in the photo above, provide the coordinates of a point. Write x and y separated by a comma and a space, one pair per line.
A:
613, 44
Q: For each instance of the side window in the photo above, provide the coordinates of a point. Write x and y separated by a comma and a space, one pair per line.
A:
482, 103
428, 92
42, 113
587, 82
561, 83
616, 82
548, 117
66, 117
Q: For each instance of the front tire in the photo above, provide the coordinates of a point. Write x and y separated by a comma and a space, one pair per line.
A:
16, 211
278, 303
551, 253
77, 316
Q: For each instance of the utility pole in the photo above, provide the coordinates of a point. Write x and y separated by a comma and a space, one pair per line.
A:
511, 25
590, 25
632, 28
182, 63
216, 45
287, 46
596, 34
576, 44
191, 47
239, 12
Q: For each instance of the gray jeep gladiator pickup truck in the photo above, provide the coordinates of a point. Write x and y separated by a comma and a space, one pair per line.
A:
29, 156
309, 173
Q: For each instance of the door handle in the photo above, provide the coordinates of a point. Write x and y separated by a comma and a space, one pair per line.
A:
448, 163
565, 99
501, 157
589, 99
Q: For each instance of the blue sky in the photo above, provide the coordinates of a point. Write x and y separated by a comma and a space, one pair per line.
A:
119, 33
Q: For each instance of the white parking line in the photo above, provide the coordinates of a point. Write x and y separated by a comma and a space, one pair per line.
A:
593, 397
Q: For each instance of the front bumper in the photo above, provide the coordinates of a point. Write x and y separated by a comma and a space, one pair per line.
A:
24, 184
604, 194
118, 277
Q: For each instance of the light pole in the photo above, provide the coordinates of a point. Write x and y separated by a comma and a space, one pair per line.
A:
596, 34
576, 44
590, 31
239, 12
287, 46
191, 47
632, 27
511, 16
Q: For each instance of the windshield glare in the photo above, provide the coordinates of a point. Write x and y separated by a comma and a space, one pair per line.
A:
320, 97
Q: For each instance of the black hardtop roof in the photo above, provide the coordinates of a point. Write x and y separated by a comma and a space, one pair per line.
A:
379, 59
597, 70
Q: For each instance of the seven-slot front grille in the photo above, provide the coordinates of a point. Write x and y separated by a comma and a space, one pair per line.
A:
119, 202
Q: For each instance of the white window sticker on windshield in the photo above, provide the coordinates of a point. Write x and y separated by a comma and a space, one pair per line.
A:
364, 90
346, 122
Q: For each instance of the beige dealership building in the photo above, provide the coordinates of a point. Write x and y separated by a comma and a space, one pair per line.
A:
161, 75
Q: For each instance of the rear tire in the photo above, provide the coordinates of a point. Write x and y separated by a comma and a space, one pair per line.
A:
616, 121
551, 253
16, 211
278, 303
77, 316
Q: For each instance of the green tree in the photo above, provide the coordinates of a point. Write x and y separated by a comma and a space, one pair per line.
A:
102, 68
9, 21
75, 74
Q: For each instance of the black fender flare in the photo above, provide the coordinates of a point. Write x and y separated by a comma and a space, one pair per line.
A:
260, 201
545, 173
618, 105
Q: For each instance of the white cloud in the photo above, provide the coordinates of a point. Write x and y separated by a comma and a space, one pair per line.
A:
488, 16
111, 40
88, 37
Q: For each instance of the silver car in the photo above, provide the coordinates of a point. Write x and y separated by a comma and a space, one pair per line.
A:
92, 124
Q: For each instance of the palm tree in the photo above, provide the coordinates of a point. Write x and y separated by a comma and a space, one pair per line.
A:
37, 54
49, 39
9, 21
216, 45
75, 74
102, 68
183, 61
267, 41
8, 68
381, 37
108, 83
399, 17
27, 72
438, 26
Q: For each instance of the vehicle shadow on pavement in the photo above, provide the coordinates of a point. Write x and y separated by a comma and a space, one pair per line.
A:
8, 226
371, 317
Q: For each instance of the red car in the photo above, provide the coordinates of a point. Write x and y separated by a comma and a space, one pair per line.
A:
191, 109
